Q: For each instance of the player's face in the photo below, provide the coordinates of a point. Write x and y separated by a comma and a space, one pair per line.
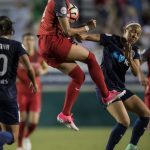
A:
132, 34
29, 42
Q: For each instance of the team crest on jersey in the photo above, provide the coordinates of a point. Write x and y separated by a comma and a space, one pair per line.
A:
63, 10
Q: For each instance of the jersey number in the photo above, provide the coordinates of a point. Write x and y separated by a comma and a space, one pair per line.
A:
5, 63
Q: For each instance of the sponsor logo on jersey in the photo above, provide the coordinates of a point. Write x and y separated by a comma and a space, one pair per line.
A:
118, 56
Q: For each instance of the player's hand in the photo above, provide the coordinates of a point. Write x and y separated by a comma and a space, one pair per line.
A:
34, 87
128, 51
80, 37
91, 24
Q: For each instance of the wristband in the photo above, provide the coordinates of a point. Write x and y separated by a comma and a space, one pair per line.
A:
87, 28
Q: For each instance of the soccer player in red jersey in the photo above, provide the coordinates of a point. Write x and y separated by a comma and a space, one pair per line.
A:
146, 58
29, 103
59, 52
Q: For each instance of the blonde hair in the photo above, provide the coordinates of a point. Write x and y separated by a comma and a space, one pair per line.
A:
132, 24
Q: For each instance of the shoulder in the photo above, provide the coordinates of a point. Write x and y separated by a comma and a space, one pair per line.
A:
14, 42
135, 48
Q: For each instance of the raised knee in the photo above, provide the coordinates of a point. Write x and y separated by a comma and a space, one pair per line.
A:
78, 75
91, 57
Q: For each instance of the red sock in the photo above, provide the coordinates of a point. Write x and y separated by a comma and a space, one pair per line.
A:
78, 77
30, 129
21, 133
97, 74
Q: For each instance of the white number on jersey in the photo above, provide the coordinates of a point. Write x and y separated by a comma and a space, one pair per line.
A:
5, 63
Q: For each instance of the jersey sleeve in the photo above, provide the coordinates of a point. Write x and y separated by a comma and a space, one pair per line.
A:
145, 55
60, 8
105, 39
136, 54
21, 50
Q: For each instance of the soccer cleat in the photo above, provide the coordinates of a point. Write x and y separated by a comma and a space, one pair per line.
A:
131, 147
27, 144
67, 120
113, 96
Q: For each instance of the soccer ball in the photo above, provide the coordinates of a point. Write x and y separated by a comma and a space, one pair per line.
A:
73, 13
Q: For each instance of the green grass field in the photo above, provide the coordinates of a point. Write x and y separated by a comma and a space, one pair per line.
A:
85, 139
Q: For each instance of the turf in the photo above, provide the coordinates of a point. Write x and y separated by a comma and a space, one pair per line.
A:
85, 139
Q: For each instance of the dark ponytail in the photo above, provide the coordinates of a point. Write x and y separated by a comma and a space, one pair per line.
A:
6, 26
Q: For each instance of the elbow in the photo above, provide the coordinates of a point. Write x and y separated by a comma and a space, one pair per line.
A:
69, 33
135, 73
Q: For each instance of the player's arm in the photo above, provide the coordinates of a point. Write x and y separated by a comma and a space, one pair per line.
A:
88, 37
135, 65
68, 30
43, 69
26, 63
142, 78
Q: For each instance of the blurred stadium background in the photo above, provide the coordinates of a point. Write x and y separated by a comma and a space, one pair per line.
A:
111, 15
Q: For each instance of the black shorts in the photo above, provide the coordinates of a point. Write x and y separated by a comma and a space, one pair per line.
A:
9, 114
123, 98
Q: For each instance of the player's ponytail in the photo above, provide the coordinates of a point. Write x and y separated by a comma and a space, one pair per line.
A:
6, 26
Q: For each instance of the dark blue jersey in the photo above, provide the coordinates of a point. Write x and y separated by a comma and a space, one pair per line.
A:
114, 63
10, 51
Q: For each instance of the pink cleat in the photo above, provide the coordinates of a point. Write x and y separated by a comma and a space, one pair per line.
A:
67, 120
112, 97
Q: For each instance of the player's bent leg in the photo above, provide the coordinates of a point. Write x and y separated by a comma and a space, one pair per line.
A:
77, 75
136, 105
79, 53
119, 113
113, 96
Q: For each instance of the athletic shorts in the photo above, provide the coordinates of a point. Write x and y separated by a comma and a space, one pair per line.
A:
123, 98
54, 49
9, 111
147, 100
29, 102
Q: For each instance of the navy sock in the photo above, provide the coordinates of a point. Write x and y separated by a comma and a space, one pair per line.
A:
6, 138
1, 145
138, 129
115, 136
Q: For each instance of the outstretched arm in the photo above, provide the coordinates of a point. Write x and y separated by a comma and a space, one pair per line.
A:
88, 37
26, 63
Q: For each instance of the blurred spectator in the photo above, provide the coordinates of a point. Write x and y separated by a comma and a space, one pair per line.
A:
106, 15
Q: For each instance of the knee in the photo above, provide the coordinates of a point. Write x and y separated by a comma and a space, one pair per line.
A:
125, 122
77, 75
81, 77
91, 57
146, 113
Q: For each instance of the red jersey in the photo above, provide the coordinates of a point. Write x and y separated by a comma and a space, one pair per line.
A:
23, 80
49, 24
146, 57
